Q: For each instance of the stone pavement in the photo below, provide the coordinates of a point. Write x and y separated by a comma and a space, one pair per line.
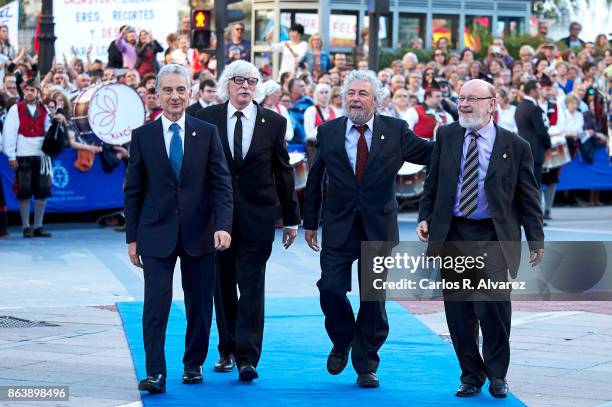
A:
561, 352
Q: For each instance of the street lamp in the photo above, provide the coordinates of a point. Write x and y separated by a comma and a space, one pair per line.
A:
47, 37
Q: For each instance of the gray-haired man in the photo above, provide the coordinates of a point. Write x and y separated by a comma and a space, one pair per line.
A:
361, 154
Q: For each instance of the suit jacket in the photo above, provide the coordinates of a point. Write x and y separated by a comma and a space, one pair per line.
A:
392, 144
194, 108
530, 123
264, 177
158, 206
510, 186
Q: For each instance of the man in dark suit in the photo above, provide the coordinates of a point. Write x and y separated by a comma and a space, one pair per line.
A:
480, 188
253, 140
206, 96
178, 203
361, 155
532, 124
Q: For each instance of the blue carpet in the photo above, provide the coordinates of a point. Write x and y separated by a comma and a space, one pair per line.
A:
417, 367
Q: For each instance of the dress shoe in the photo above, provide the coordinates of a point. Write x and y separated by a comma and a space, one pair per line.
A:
225, 364
337, 360
192, 375
498, 388
467, 390
40, 232
155, 383
27, 232
367, 380
247, 373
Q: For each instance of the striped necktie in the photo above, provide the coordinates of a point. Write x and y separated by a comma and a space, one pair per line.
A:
468, 201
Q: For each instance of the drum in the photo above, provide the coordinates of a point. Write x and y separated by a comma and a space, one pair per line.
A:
557, 155
300, 172
409, 181
110, 112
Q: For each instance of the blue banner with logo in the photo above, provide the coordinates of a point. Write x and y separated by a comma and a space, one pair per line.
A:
73, 190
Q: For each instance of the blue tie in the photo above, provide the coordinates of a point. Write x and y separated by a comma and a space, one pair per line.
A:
176, 149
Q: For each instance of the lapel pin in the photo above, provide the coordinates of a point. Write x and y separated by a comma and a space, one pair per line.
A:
193, 134
505, 155
382, 136
263, 120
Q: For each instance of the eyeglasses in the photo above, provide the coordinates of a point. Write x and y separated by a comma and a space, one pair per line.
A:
472, 99
438, 54
239, 80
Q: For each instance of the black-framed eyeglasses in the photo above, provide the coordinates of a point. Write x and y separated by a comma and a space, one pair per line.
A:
472, 99
239, 80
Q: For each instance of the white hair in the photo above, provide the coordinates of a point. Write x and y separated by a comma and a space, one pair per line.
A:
411, 56
172, 69
239, 68
320, 87
370, 76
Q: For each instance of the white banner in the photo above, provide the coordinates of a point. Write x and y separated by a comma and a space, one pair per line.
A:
84, 23
9, 16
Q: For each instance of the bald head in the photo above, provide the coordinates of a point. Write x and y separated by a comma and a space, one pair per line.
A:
476, 104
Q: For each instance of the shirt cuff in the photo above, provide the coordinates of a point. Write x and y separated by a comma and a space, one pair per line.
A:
294, 227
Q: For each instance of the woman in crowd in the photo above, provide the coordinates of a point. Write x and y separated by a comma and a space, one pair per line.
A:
540, 67
336, 101
467, 56
563, 82
147, 49
6, 48
596, 128
401, 103
504, 115
316, 59
273, 93
320, 112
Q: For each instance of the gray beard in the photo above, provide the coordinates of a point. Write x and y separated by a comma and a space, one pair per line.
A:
358, 117
472, 123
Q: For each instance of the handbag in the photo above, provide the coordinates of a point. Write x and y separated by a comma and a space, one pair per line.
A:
55, 139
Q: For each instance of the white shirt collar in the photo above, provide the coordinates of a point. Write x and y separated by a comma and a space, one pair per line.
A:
249, 111
485, 131
370, 124
167, 122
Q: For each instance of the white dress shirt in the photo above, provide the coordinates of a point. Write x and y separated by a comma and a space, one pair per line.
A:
168, 133
15, 144
248, 126
351, 138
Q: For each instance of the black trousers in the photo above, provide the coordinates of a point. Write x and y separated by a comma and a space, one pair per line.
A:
240, 321
464, 316
198, 280
367, 333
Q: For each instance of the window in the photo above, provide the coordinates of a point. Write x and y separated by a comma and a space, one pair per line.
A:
445, 26
385, 30
343, 29
509, 26
307, 18
263, 25
475, 28
411, 26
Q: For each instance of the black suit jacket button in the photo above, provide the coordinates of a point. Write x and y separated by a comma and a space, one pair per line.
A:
177, 211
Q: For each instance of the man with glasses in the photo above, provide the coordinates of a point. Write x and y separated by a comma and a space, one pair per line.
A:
480, 188
237, 47
253, 139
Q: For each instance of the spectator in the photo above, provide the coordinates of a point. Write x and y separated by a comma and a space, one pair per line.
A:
573, 40
237, 47
147, 49
542, 29
317, 60
439, 57
360, 52
320, 112
293, 50
397, 82
401, 99
504, 115
183, 55
272, 101
206, 96
152, 106
601, 44
336, 101
172, 44
409, 61
9, 86
132, 78
425, 118
6, 48
184, 27
563, 82
443, 45
415, 80
340, 64
526, 54
62, 115
467, 56
299, 103
384, 77
126, 44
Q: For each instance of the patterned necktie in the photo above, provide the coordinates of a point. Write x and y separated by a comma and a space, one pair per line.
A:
362, 153
238, 138
468, 200
176, 149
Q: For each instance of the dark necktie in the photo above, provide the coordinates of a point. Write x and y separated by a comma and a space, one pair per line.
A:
362, 153
238, 138
468, 200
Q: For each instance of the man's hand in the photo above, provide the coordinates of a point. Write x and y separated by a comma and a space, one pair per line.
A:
311, 239
13, 164
133, 253
222, 240
422, 231
535, 257
289, 235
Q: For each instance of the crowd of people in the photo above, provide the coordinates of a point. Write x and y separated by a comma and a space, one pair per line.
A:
573, 77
